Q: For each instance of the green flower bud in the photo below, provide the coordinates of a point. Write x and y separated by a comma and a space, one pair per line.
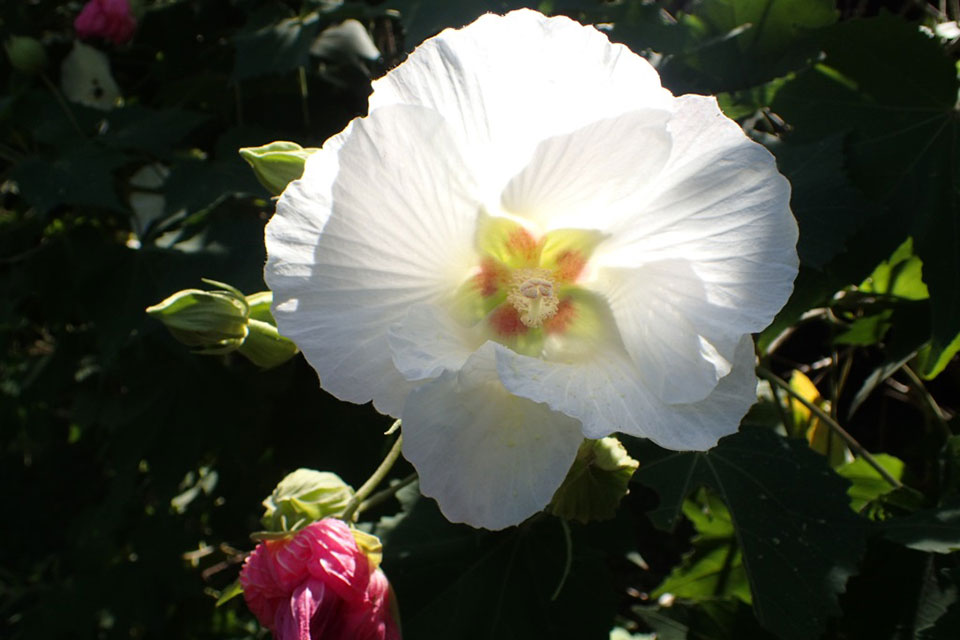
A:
595, 483
277, 164
305, 496
223, 321
207, 319
26, 54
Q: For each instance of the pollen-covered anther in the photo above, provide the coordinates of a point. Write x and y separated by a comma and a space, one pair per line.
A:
533, 295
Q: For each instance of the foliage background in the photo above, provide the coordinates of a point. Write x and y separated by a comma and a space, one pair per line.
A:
133, 469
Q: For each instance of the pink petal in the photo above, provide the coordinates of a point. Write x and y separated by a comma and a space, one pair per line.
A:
311, 600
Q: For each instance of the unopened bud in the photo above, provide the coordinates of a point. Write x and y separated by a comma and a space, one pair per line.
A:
222, 321
206, 319
595, 483
305, 496
26, 54
277, 164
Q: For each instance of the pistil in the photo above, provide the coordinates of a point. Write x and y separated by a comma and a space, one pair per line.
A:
533, 295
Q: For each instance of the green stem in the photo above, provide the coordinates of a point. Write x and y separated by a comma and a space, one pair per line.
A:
786, 418
373, 480
938, 413
386, 494
304, 102
568, 562
830, 422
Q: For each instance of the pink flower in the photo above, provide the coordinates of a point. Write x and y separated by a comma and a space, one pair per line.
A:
318, 585
110, 19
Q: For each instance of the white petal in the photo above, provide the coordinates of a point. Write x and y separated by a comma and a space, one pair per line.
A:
607, 394
510, 81
681, 344
427, 342
348, 255
712, 250
579, 179
489, 458
721, 204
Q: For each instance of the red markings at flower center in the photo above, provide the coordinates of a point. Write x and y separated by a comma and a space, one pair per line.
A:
523, 245
570, 264
562, 319
505, 322
489, 278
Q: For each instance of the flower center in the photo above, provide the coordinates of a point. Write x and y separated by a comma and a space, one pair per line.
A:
532, 294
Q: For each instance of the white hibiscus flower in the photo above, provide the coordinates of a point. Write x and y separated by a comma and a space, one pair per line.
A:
528, 241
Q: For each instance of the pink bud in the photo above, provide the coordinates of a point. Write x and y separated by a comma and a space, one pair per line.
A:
110, 19
318, 585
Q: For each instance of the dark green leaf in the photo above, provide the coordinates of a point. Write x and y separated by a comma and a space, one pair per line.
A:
710, 619
900, 594
895, 90
151, 130
424, 18
81, 175
942, 615
799, 538
726, 45
275, 43
458, 582
827, 207
933, 530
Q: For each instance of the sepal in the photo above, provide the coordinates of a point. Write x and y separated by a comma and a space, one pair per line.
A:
595, 483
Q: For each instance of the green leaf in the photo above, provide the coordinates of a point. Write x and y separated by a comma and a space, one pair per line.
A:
866, 484
198, 183
710, 619
726, 45
274, 42
901, 276
950, 467
235, 589
900, 594
933, 530
714, 568
827, 206
459, 582
424, 18
894, 90
151, 130
866, 331
943, 612
800, 540
81, 175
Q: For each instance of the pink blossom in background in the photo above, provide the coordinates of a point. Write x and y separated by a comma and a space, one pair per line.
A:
109, 19
318, 585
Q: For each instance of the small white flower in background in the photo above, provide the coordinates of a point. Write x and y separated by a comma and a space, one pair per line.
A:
348, 40
85, 78
528, 241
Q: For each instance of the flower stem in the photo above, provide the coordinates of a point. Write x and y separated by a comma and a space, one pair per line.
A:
387, 493
567, 563
833, 424
939, 416
373, 480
